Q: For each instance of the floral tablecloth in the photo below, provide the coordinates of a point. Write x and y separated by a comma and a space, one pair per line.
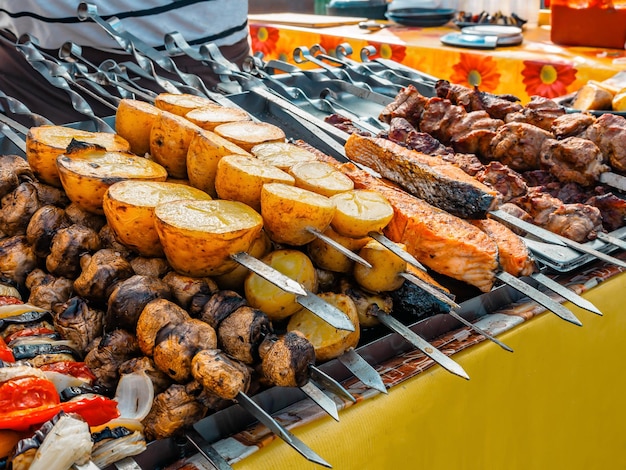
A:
536, 67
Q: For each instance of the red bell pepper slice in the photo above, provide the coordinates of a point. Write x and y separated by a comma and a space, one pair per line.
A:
75, 369
6, 353
35, 331
95, 409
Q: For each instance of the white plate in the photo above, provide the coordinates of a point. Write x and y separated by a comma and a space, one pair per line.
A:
493, 30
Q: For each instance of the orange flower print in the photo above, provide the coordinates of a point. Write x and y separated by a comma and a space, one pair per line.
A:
547, 80
264, 38
476, 71
389, 51
330, 43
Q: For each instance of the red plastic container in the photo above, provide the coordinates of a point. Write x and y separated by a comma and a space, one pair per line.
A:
589, 23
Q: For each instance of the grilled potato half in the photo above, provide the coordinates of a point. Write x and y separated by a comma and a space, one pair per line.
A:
210, 116
320, 178
384, 275
199, 237
129, 210
283, 155
328, 341
247, 134
45, 143
181, 104
133, 121
359, 212
86, 174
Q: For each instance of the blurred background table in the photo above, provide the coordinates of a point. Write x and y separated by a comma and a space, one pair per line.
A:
536, 67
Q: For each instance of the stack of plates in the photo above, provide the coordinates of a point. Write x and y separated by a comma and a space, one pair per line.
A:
424, 17
485, 37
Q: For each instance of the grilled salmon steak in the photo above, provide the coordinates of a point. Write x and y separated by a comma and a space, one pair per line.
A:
431, 178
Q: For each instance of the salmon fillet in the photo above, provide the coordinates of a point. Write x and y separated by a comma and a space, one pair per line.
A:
513, 253
430, 178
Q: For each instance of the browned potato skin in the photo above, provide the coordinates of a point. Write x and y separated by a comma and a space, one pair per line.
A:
242, 331
156, 315
133, 121
286, 362
220, 374
325, 256
174, 353
383, 276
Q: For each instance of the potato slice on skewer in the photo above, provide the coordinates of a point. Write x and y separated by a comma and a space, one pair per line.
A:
133, 121
359, 212
320, 178
327, 257
289, 212
247, 134
170, 137
198, 237
204, 153
129, 209
181, 104
384, 275
328, 342
275, 302
45, 143
86, 174
241, 178
283, 155
210, 116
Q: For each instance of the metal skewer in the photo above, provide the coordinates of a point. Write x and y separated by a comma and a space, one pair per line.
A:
362, 370
566, 293
319, 397
339, 247
207, 450
618, 242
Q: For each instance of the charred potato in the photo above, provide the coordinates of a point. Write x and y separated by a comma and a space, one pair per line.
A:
133, 122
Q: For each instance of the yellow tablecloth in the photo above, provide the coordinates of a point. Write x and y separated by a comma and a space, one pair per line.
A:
536, 67
557, 402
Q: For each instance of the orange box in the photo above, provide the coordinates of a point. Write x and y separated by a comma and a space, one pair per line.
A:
594, 26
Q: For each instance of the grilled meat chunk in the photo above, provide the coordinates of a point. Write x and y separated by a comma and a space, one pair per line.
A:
472, 99
500, 177
612, 209
573, 160
17, 259
173, 410
43, 225
114, 348
47, 290
285, 360
571, 125
518, 145
540, 112
130, 296
608, 132
402, 132
408, 104
157, 314
241, 333
438, 182
220, 374
17, 208
176, 346
344, 123
99, 274
67, 246
79, 322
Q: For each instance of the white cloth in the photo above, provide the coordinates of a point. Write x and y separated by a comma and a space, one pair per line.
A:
54, 22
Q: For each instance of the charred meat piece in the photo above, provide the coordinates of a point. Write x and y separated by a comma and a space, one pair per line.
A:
158, 314
17, 208
538, 178
472, 99
130, 296
220, 374
571, 125
42, 227
160, 380
185, 288
440, 183
176, 346
220, 306
408, 104
344, 124
115, 348
47, 290
578, 222
513, 253
540, 112
99, 274
77, 321
612, 208
173, 410
500, 177
518, 145
573, 160
444, 243
241, 333
17, 259
153, 267
285, 360
67, 246
609, 134
402, 132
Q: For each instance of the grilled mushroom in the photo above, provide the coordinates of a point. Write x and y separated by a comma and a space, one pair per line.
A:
68, 245
17, 259
286, 359
241, 332
156, 315
185, 288
99, 274
113, 349
220, 374
47, 290
220, 306
77, 321
44, 223
16, 209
